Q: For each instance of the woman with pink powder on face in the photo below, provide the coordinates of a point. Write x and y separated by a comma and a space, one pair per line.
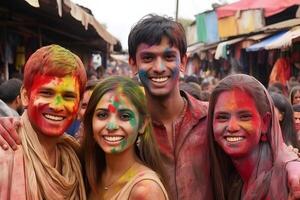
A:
248, 156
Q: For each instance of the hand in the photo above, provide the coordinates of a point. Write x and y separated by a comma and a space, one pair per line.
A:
8, 133
293, 172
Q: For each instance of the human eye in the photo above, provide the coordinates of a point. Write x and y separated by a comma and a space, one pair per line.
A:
245, 116
146, 58
45, 92
83, 105
70, 96
170, 56
221, 117
125, 115
102, 114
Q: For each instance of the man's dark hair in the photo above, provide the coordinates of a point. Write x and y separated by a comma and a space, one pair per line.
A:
10, 89
151, 29
296, 107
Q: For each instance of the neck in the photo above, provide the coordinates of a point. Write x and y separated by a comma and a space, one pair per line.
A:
113, 166
165, 109
49, 146
247, 165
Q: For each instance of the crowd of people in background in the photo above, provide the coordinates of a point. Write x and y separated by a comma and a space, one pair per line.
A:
158, 135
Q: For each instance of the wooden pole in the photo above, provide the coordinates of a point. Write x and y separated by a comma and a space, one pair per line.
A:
176, 12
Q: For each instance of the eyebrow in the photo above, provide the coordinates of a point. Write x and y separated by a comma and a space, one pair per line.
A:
168, 51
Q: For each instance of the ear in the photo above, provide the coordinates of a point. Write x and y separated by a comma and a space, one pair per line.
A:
266, 122
133, 66
183, 63
24, 97
143, 126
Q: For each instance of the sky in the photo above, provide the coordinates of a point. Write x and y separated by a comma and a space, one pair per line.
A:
120, 15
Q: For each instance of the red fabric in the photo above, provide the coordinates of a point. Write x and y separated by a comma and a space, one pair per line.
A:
270, 7
281, 71
187, 161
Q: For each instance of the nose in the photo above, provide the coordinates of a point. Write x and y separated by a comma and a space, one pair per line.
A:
112, 125
233, 125
159, 65
57, 104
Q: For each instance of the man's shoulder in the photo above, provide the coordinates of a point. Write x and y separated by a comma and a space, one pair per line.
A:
195, 106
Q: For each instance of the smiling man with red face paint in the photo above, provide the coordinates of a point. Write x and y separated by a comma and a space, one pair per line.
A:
53, 103
54, 79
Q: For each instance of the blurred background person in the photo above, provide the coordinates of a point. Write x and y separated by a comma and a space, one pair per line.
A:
284, 112
296, 114
10, 100
295, 95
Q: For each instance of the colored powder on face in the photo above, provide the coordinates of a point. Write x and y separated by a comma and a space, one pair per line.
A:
132, 120
111, 108
113, 151
123, 144
175, 73
143, 77
58, 100
112, 126
116, 102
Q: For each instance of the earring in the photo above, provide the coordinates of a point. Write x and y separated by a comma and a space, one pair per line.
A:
138, 78
263, 137
138, 140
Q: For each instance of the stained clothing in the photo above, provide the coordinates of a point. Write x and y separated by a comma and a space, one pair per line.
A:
281, 71
269, 178
6, 111
27, 174
186, 158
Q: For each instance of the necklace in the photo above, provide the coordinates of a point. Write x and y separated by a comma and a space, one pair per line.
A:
106, 187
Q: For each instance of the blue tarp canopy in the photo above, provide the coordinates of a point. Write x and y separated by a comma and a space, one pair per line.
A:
264, 43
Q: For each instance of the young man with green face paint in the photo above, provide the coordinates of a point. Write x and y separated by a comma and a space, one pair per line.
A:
54, 79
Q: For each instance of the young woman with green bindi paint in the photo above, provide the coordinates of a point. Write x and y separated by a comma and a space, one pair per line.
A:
121, 157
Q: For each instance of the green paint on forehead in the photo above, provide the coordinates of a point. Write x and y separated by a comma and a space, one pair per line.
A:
116, 102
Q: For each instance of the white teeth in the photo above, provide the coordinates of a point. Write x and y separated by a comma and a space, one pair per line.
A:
53, 117
159, 79
113, 138
234, 139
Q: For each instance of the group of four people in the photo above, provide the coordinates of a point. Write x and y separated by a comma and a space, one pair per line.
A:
164, 145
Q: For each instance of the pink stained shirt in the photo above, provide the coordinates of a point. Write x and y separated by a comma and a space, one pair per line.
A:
187, 159
12, 175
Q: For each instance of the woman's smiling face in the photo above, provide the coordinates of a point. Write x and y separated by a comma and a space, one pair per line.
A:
115, 123
237, 124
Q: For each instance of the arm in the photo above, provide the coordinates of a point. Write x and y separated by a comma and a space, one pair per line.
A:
147, 190
8, 132
293, 172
